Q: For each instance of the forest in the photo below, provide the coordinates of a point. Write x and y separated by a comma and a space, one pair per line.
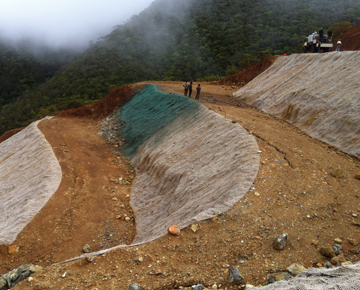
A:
170, 40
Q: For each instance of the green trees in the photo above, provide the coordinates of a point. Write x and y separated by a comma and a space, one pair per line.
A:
171, 40
340, 28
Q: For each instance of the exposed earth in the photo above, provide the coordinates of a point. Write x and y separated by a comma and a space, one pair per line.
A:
299, 190
304, 188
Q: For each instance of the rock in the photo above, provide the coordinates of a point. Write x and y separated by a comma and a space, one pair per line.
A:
355, 223
278, 277
337, 249
134, 286
354, 252
3, 284
338, 241
214, 286
338, 259
328, 264
315, 242
13, 249
352, 241
280, 242
86, 249
296, 269
338, 173
234, 276
327, 252
198, 287
90, 259
174, 230
194, 227
127, 218
357, 176
248, 286
346, 263
30, 279
12, 278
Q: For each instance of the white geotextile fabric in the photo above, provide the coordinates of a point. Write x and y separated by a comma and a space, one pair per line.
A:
319, 93
194, 169
29, 175
339, 278
203, 167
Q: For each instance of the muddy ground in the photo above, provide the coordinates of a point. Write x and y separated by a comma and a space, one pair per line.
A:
295, 192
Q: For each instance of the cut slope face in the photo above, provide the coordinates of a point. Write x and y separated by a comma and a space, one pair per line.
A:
29, 175
350, 39
249, 73
191, 163
319, 93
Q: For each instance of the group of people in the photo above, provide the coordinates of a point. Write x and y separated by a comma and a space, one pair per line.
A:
188, 88
329, 36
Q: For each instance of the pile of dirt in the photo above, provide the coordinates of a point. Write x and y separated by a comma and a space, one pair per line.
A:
350, 40
103, 107
248, 74
9, 133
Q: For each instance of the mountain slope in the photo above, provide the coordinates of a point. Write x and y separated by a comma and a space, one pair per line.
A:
318, 93
178, 40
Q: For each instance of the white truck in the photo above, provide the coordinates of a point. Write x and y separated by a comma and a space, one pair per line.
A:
312, 43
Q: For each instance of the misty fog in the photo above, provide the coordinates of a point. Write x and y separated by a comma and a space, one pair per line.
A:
65, 23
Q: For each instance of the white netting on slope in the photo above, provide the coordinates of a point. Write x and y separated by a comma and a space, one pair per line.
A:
29, 175
318, 93
339, 278
202, 168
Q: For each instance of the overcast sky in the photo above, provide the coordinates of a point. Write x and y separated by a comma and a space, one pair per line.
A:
64, 22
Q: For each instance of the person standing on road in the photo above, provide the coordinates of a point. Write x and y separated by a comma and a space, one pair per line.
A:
186, 87
329, 33
190, 89
321, 35
338, 45
198, 89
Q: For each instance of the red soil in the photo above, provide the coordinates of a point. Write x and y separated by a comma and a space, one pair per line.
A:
9, 133
103, 107
350, 40
248, 74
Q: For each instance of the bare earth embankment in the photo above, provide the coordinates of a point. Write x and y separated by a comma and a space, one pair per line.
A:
294, 192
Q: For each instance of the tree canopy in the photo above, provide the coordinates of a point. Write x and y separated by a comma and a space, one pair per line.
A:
171, 40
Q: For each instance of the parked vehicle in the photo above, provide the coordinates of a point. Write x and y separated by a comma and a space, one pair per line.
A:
313, 44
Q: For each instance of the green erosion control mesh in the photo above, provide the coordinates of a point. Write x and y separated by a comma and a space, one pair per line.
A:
191, 163
149, 112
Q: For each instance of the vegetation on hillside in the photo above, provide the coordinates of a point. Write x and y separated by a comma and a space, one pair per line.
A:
180, 40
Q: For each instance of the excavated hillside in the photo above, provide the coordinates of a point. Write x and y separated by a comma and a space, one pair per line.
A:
248, 74
319, 93
304, 187
294, 192
350, 39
